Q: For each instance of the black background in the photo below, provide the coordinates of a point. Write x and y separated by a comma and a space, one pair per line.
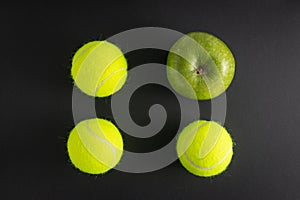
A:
37, 44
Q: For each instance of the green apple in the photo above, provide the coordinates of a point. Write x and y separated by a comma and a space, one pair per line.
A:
200, 66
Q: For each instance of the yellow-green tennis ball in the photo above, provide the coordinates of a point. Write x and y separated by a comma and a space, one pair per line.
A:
99, 68
205, 148
95, 146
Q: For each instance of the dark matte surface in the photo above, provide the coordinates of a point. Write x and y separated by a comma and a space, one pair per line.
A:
38, 41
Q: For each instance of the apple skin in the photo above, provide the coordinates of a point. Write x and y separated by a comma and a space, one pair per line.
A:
200, 66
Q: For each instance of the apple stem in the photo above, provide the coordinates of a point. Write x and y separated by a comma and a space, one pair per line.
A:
200, 71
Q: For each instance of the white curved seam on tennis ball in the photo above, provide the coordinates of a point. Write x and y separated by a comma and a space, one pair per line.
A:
108, 77
208, 168
103, 141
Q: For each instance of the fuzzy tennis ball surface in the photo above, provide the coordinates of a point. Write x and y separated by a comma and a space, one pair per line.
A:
95, 146
205, 148
99, 68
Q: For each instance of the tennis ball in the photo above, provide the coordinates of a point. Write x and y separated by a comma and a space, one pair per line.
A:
95, 146
204, 148
99, 68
